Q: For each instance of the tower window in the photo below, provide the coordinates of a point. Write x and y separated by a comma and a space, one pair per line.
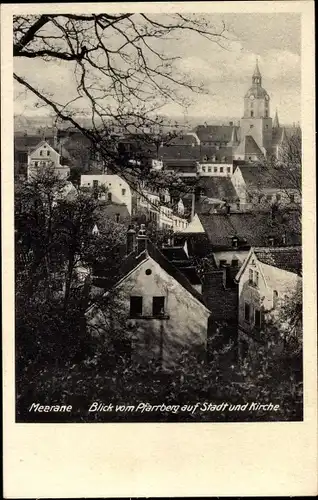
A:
266, 113
252, 114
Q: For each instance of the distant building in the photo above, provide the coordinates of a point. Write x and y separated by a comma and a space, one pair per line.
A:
268, 277
117, 189
165, 314
257, 186
44, 156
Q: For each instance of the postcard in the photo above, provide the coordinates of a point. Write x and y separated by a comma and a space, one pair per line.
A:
158, 168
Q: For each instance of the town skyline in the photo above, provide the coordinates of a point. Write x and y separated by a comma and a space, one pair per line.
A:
225, 71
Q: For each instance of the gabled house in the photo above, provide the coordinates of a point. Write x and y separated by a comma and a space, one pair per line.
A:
258, 186
160, 312
44, 156
268, 278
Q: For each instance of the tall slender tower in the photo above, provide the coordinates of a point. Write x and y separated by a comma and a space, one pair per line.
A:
256, 121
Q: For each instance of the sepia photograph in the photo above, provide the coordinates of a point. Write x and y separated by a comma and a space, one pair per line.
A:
158, 217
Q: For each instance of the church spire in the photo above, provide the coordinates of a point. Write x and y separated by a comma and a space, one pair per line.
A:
257, 77
234, 140
276, 120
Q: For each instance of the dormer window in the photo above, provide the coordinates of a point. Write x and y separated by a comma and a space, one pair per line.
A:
235, 242
41, 152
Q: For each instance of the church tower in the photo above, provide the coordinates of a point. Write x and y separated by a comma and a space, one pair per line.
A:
256, 121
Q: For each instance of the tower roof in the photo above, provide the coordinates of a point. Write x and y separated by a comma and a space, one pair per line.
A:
257, 72
276, 121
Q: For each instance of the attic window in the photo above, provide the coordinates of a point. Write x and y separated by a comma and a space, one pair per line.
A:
41, 152
234, 241
135, 306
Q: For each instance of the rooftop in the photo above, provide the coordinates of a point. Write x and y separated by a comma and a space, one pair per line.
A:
286, 258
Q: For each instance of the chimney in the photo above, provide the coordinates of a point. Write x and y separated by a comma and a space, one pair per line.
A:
130, 240
141, 239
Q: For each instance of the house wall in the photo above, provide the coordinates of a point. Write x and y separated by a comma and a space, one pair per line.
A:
118, 187
230, 255
185, 326
44, 156
270, 278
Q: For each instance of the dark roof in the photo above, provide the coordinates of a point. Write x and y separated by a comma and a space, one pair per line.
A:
286, 258
248, 146
258, 176
179, 151
217, 187
210, 154
191, 273
252, 228
155, 254
198, 243
135, 258
174, 253
214, 133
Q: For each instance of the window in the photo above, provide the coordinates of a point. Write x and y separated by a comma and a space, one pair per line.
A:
266, 113
123, 192
41, 152
95, 184
251, 126
36, 163
135, 306
109, 196
48, 152
209, 169
223, 262
256, 278
228, 170
278, 197
158, 306
292, 198
250, 277
221, 170
266, 126
275, 298
253, 277
269, 197
252, 114
117, 216
234, 242
257, 318
203, 169
235, 262
215, 169
271, 241
247, 310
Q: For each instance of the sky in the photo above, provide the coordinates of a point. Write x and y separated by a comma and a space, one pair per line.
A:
226, 71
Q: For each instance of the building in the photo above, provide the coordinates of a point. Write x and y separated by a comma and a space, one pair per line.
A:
162, 313
258, 186
117, 190
268, 278
44, 156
